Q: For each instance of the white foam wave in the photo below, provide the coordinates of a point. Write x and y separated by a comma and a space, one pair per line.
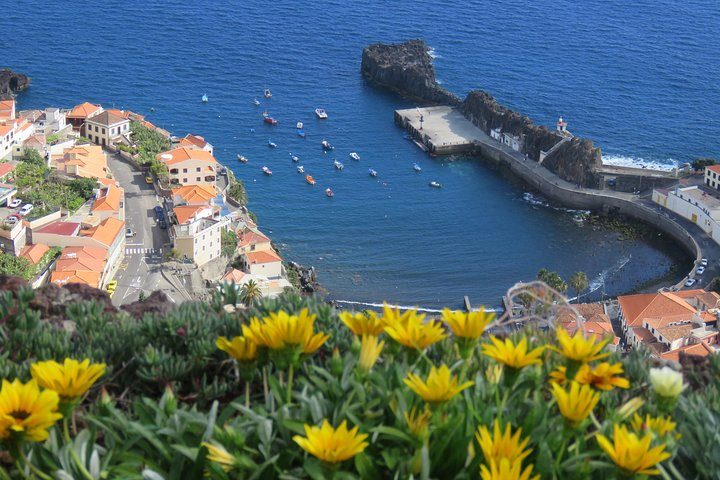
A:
541, 202
596, 283
625, 161
401, 307
433, 55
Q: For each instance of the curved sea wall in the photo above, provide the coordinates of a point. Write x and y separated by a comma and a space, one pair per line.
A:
12, 83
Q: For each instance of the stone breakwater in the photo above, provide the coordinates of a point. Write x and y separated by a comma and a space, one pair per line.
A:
406, 68
12, 83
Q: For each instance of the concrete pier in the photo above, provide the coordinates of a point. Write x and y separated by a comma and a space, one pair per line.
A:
443, 130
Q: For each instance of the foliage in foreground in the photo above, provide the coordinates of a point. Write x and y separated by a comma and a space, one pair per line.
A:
429, 400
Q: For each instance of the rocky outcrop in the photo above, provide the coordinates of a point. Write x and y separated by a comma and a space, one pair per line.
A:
12, 83
405, 68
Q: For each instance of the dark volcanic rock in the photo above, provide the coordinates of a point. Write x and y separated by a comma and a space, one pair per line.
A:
12, 83
407, 69
157, 302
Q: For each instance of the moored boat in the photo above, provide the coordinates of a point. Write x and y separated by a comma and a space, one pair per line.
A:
435, 184
321, 113
354, 156
329, 192
301, 133
416, 167
310, 179
267, 93
294, 158
242, 158
270, 120
204, 98
256, 102
299, 125
372, 172
338, 165
266, 171
300, 169
326, 145
272, 144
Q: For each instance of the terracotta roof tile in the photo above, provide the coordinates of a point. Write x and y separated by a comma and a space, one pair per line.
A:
59, 227
77, 276
83, 110
652, 305
183, 154
106, 232
108, 200
34, 252
267, 256
6, 168
195, 193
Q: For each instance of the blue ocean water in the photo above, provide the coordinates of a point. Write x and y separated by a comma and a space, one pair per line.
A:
637, 77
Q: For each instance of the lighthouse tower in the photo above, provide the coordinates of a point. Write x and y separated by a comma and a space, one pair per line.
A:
561, 125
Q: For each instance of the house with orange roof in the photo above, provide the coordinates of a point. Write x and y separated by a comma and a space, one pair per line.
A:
106, 128
189, 166
88, 161
251, 240
14, 132
86, 277
194, 195
594, 317
196, 141
34, 252
109, 202
7, 110
6, 170
265, 263
189, 213
80, 113
37, 142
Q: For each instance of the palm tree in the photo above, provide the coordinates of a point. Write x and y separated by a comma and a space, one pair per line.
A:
250, 293
579, 282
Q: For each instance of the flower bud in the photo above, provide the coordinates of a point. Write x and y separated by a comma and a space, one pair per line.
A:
666, 382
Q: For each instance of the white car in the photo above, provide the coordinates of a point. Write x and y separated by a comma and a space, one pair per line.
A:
11, 221
700, 270
15, 203
704, 262
690, 282
27, 208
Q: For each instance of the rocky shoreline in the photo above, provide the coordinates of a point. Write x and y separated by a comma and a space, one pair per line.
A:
12, 83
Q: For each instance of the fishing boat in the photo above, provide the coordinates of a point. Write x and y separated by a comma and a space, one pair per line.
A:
294, 158
321, 113
329, 193
266, 171
372, 172
416, 167
301, 133
354, 156
256, 102
310, 179
268, 119
242, 158
326, 145
338, 165
204, 98
300, 169
299, 125
272, 144
267, 93
435, 184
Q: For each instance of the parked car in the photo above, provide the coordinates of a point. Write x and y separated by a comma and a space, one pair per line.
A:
129, 232
15, 203
148, 180
111, 286
223, 171
27, 208
163, 224
12, 221
700, 270
159, 212
704, 262
690, 282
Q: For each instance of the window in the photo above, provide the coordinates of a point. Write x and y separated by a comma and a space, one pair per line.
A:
197, 179
197, 169
184, 170
184, 180
103, 131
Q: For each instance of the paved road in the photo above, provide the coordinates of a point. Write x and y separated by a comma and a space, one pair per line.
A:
141, 268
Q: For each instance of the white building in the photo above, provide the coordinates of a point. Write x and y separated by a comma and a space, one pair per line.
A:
199, 240
699, 205
105, 128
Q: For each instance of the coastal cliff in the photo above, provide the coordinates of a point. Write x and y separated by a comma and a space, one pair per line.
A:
12, 83
406, 68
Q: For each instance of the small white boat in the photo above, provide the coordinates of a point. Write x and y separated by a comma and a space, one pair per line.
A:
300, 169
435, 184
321, 113
272, 144
354, 156
267, 93
326, 145
204, 98
294, 158
329, 193
256, 102
299, 125
416, 167
372, 172
242, 158
266, 171
338, 165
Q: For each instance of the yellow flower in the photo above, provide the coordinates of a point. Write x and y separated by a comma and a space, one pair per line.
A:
240, 348
660, 426
26, 412
439, 387
369, 352
602, 376
506, 470
577, 403
559, 375
502, 445
330, 444
666, 382
579, 349
631, 453
417, 422
514, 356
280, 330
410, 330
363, 323
470, 325
71, 379
218, 454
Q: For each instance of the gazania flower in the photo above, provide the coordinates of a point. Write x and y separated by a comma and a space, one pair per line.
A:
332, 445
418, 421
666, 382
506, 470
660, 426
468, 325
218, 454
281, 330
577, 403
631, 453
578, 348
26, 412
602, 376
410, 330
71, 379
439, 387
513, 356
240, 348
502, 445
369, 352
363, 323
559, 375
